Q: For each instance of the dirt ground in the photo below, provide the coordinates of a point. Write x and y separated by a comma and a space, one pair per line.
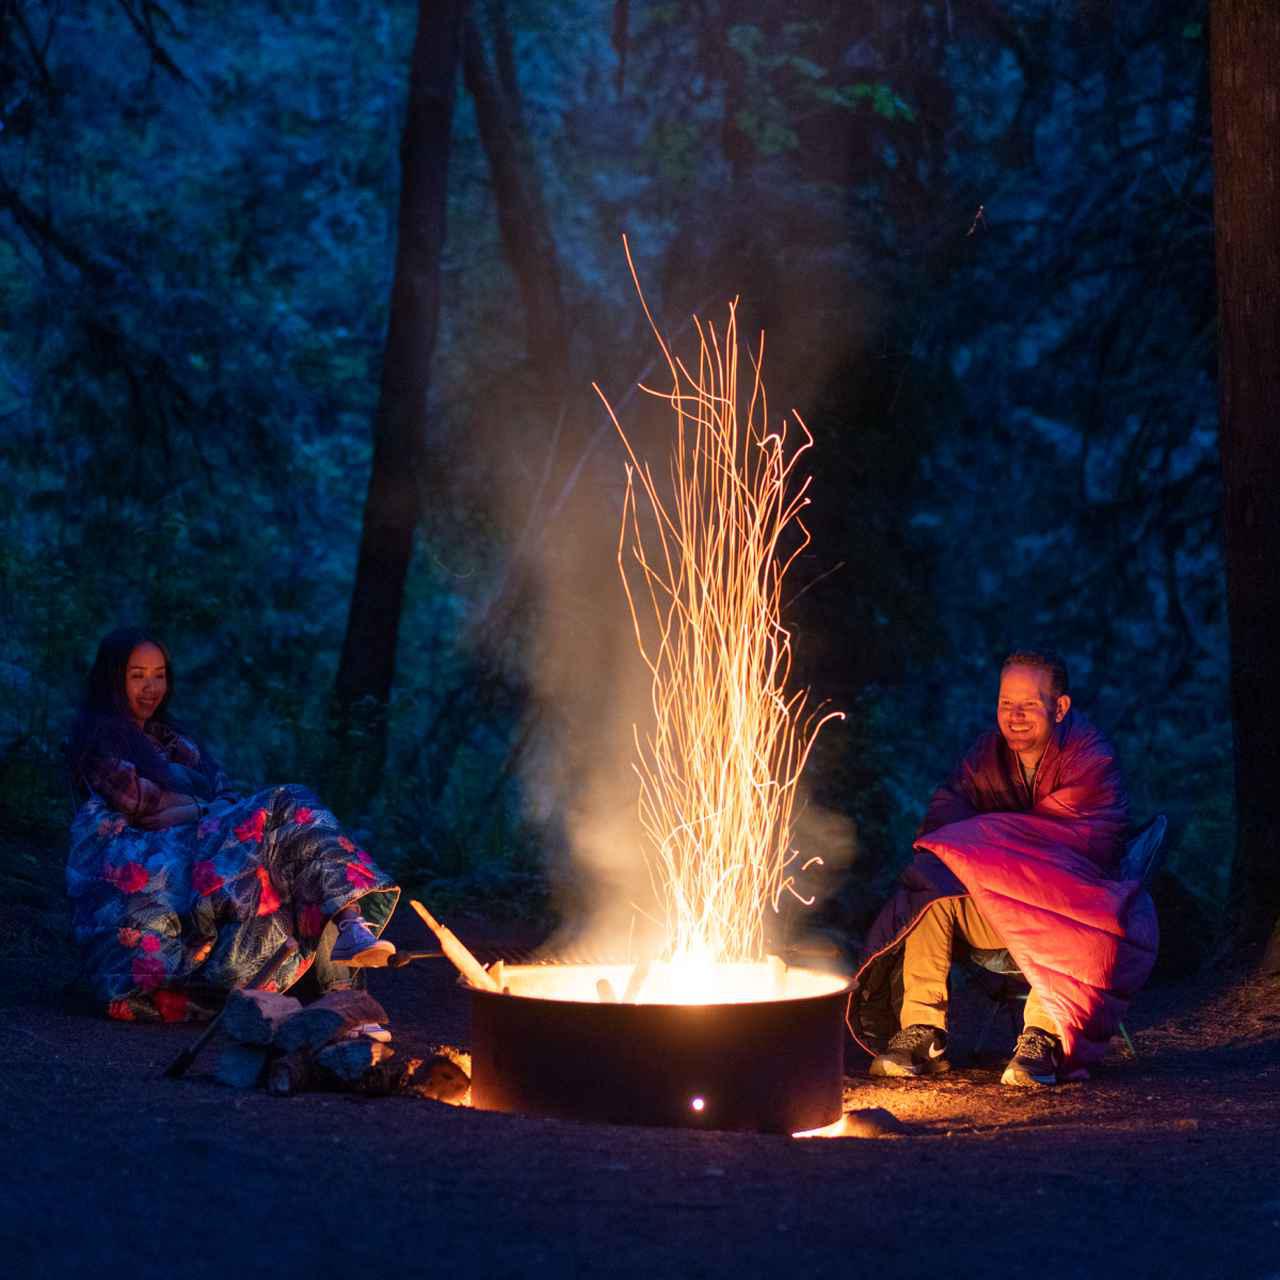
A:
1167, 1165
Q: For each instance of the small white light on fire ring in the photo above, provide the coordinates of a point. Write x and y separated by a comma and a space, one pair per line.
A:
698, 1104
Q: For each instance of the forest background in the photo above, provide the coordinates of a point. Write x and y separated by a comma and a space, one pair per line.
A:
979, 235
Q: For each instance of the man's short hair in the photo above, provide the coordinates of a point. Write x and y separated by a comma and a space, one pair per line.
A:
1045, 660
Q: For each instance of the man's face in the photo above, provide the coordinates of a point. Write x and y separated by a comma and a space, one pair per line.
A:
1027, 710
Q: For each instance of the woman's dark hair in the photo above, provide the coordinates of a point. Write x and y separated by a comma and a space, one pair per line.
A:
104, 726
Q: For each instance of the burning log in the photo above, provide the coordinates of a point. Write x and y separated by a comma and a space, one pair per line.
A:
604, 989
636, 981
778, 973
439, 1078
455, 951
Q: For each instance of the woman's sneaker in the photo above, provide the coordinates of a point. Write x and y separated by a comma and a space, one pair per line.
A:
917, 1050
369, 1031
1036, 1061
358, 947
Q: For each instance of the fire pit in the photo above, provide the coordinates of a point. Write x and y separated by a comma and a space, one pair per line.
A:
767, 1055
712, 1037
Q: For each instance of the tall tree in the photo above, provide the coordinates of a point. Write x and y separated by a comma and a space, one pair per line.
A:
1245, 71
367, 666
522, 213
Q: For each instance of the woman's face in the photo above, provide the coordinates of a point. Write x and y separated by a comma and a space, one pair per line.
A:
145, 681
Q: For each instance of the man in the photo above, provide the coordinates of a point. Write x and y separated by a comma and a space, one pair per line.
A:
1018, 850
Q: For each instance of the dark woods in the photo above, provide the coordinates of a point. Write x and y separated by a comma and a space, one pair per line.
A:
304, 302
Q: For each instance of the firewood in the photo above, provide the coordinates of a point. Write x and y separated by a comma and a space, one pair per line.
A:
240, 1065
456, 951
178, 1067
346, 1064
253, 1017
639, 975
326, 1019
289, 1073
778, 974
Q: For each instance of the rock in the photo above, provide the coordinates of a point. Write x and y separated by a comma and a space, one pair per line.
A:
872, 1122
240, 1065
438, 1078
326, 1019
254, 1017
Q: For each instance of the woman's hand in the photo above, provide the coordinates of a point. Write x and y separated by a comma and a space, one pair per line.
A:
180, 809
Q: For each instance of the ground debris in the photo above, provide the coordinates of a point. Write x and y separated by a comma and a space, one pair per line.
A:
873, 1122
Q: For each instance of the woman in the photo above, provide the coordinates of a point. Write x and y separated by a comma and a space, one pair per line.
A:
181, 889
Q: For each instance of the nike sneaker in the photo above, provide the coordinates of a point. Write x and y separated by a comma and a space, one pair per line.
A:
917, 1050
1037, 1059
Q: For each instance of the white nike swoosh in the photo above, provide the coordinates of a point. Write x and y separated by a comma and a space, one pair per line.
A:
936, 1050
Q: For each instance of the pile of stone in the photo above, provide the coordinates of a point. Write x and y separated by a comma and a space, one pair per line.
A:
272, 1041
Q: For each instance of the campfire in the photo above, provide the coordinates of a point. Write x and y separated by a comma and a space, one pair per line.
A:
707, 1029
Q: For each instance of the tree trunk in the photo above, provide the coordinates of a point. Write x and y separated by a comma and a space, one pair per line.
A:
1245, 70
367, 666
522, 216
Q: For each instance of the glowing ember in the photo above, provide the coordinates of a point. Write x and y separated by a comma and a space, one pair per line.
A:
743, 983
719, 770
836, 1129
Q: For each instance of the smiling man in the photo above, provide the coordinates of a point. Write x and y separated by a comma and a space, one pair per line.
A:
1018, 851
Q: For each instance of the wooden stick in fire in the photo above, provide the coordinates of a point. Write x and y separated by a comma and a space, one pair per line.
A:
454, 950
639, 975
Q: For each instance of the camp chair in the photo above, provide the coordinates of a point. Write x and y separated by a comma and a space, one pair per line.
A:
1007, 989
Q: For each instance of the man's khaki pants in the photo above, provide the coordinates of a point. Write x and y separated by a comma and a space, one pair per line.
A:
927, 959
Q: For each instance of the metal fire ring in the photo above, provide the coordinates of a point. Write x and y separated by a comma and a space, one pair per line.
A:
773, 1066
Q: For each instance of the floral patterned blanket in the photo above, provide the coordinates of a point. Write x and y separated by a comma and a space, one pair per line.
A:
168, 921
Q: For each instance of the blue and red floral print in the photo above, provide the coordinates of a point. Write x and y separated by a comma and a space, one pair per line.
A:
166, 919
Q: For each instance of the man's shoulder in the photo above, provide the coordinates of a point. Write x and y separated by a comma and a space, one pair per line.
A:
1084, 741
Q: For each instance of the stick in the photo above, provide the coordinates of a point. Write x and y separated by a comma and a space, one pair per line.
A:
637, 980
402, 958
462, 959
178, 1067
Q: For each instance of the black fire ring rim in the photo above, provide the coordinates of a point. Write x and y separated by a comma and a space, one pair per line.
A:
645, 1064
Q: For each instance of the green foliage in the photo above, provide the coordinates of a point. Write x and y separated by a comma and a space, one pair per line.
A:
782, 81
1013, 418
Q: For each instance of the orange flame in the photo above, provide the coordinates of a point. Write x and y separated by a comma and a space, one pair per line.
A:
720, 767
